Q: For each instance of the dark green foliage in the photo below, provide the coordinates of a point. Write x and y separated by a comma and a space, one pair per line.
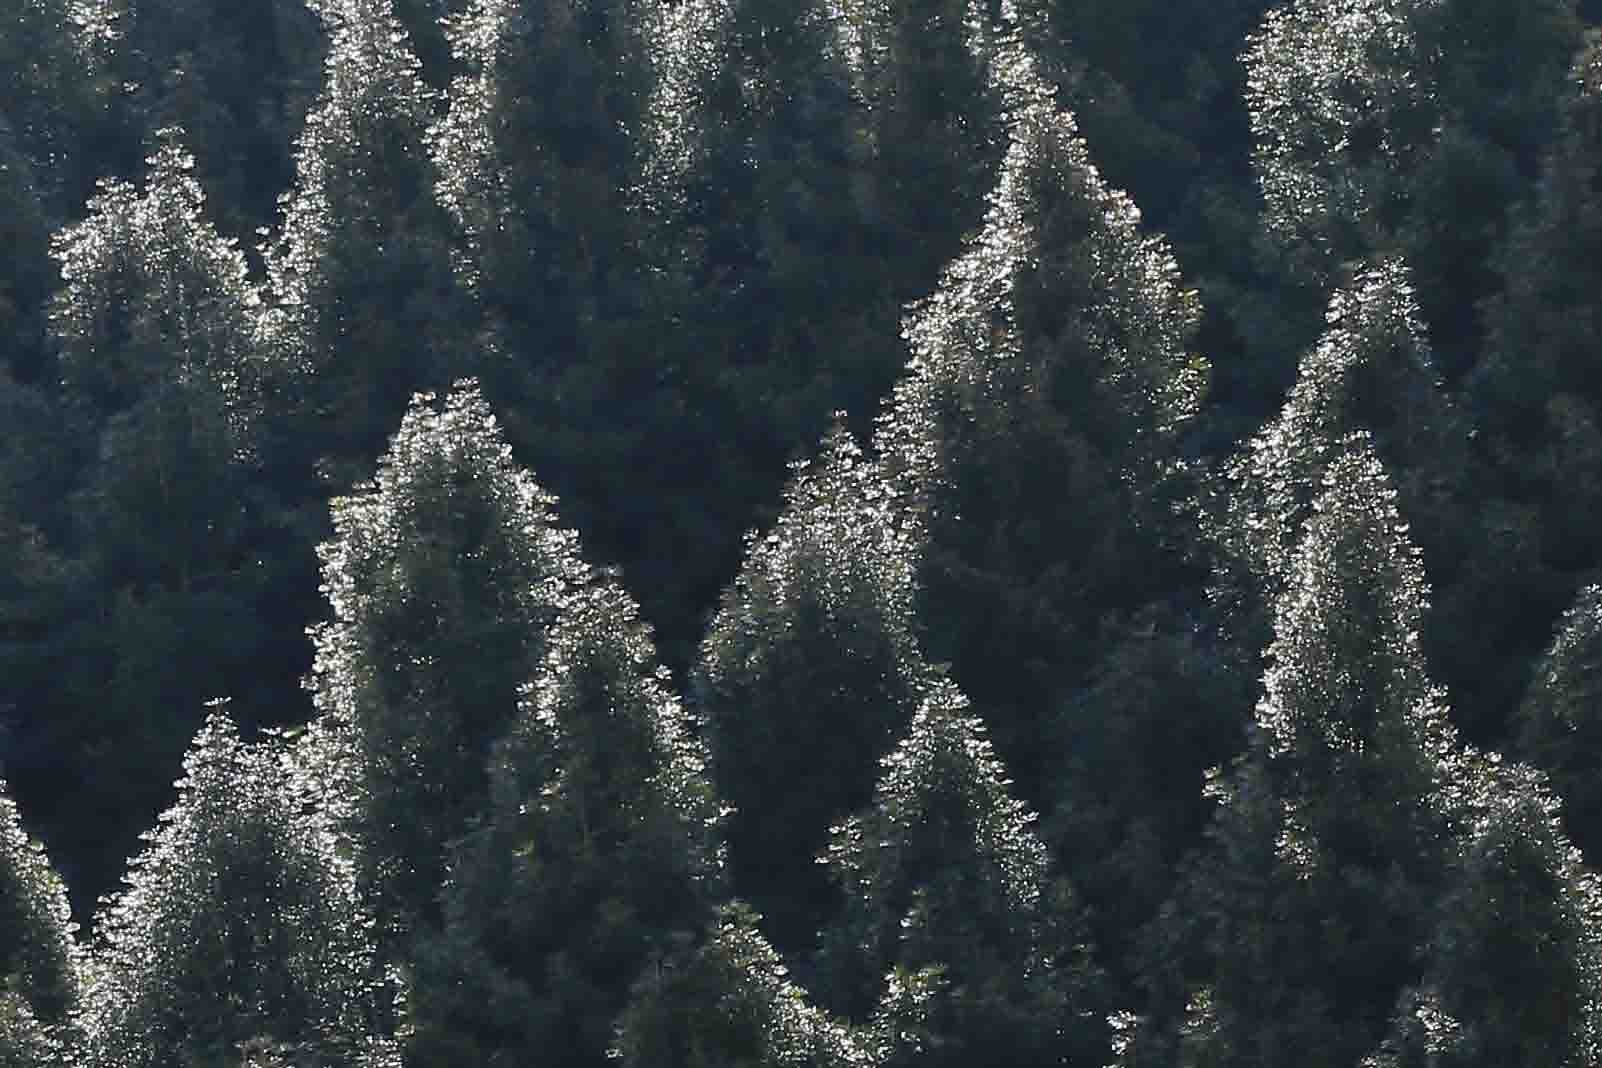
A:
731, 1004
943, 874
1038, 433
1558, 725
1406, 125
932, 112
365, 306
160, 373
806, 676
443, 575
1304, 917
1372, 370
1515, 964
237, 921
239, 77
599, 854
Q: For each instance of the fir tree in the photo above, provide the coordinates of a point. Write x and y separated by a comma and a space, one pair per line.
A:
944, 874
238, 921
599, 854
807, 674
361, 275
1306, 915
1515, 964
444, 574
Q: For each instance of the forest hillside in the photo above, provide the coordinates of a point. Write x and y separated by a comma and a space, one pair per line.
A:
774, 533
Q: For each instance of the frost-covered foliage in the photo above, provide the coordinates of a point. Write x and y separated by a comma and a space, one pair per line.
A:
39, 962
1371, 371
360, 276
1560, 721
155, 302
238, 921
1514, 971
600, 853
945, 876
443, 575
808, 672
732, 1002
1333, 833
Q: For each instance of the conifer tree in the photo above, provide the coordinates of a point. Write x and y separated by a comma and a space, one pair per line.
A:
732, 1002
444, 574
933, 115
361, 283
1515, 964
1558, 726
807, 674
1405, 125
944, 873
1037, 433
155, 331
598, 855
39, 961
1372, 370
238, 78
1305, 916
238, 922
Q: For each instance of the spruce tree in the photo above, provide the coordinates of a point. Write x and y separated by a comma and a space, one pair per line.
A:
599, 855
943, 873
807, 674
364, 303
238, 922
443, 575
39, 960
1306, 915
1514, 971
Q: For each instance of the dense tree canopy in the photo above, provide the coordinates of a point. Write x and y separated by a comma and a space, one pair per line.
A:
1207, 390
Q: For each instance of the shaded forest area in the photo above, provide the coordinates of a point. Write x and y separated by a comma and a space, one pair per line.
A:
747, 533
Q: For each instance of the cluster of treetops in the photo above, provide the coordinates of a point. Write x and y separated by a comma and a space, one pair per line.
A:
976, 628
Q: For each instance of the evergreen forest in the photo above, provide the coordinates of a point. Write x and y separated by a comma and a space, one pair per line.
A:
800, 533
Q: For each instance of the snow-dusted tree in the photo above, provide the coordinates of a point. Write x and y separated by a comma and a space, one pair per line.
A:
238, 921
1514, 971
732, 1002
39, 962
444, 574
361, 281
1307, 913
807, 674
943, 873
599, 854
